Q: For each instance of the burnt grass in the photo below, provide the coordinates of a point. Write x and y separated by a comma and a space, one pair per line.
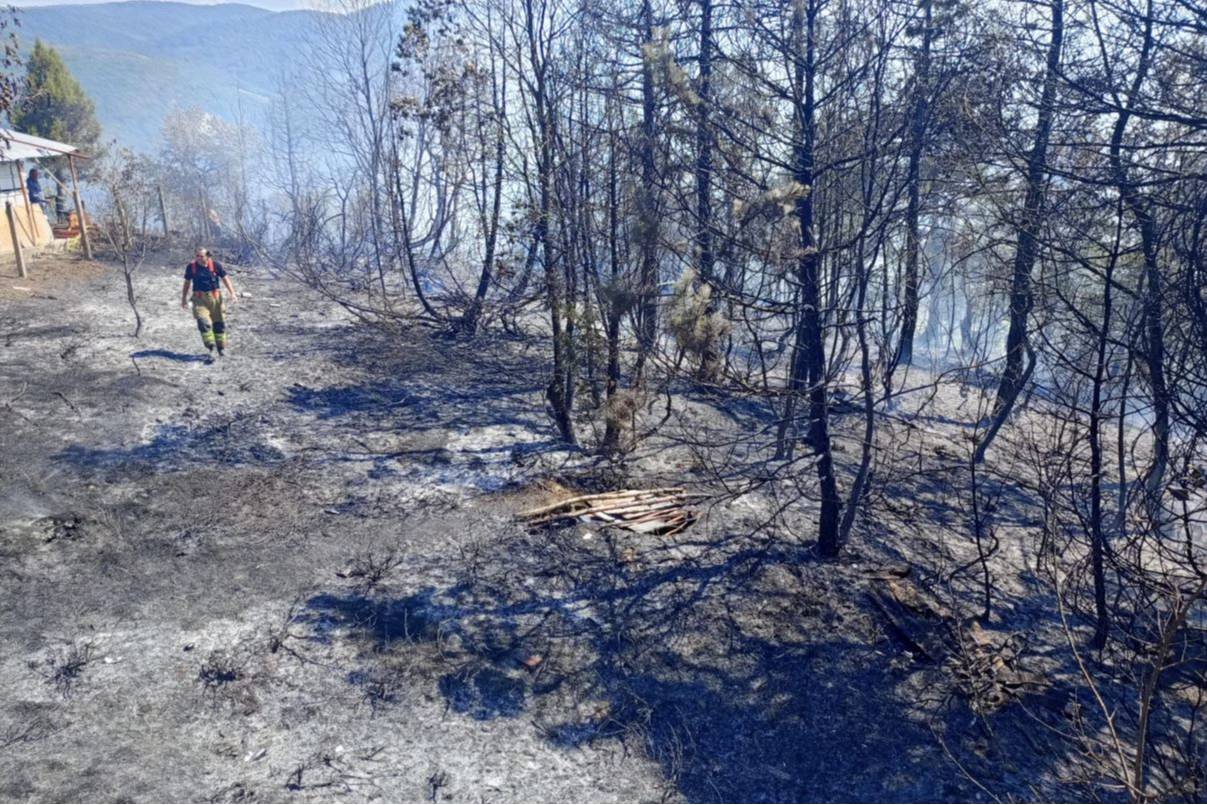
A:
298, 576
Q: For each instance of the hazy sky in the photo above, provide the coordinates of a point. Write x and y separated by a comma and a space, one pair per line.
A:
275, 5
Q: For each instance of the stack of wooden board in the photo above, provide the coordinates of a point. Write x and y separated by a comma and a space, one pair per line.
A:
645, 511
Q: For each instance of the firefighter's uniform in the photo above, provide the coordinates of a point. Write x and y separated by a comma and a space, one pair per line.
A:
208, 307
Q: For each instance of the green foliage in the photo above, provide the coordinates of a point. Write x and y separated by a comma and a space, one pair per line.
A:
54, 104
9, 58
694, 328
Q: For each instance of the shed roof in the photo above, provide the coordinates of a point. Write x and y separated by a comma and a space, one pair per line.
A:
16, 145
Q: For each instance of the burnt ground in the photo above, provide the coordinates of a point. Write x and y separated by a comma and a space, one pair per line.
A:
296, 575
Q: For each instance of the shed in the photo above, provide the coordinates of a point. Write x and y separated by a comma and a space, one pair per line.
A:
18, 153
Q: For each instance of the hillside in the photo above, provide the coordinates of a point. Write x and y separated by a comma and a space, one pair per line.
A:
297, 575
680, 402
137, 59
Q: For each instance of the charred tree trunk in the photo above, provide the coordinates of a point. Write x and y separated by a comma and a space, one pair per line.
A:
647, 212
1018, 340
614, 307
709, 356
918, 127
559, 390
1154, 330
491, 224
402, 224
808, 359
1098, 546
1026, 250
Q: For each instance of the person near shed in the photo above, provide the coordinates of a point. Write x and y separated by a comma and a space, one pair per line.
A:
206, 276
34, 186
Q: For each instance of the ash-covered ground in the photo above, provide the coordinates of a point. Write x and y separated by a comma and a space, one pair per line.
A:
297, 575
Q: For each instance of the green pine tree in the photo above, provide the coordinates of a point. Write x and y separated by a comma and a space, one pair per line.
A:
54, 103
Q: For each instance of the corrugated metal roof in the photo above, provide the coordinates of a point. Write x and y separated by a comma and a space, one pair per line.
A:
16, 145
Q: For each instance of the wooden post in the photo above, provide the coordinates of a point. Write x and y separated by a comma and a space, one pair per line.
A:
79, 211
163, 210
29, 212
16, 233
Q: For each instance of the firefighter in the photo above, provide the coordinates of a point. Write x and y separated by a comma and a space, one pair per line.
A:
206, 276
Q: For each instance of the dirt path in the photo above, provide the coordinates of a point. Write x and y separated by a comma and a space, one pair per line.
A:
181, 526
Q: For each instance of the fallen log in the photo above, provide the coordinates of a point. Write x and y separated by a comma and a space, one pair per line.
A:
916, 632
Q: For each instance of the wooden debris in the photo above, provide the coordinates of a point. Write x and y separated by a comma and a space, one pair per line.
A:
645, 511
988, 668
911, 619
985, 664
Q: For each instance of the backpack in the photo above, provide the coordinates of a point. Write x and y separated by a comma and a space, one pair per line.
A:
209, 263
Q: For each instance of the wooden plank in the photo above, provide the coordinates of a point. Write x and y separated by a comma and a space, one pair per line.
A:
79, 211
29, 212
639, 511
634, 508
657, 515
16, 235
599, 497
639, 508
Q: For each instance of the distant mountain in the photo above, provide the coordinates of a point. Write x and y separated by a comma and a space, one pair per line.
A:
136, 59
274, 5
